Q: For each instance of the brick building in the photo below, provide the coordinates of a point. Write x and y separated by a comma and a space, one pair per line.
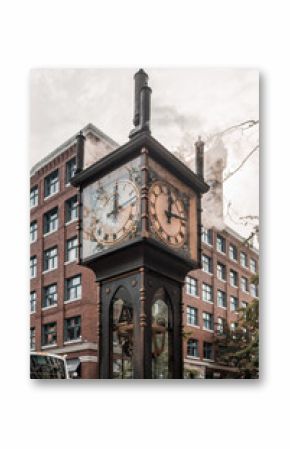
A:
64, 295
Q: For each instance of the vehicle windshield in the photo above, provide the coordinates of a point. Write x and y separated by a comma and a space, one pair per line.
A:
46, 367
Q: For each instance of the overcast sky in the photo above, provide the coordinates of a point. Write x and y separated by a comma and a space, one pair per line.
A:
185, 103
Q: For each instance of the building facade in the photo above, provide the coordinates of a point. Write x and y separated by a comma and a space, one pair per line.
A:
64, 295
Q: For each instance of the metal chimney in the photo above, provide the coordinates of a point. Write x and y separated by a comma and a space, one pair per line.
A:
80, 152
142, 104
199, 157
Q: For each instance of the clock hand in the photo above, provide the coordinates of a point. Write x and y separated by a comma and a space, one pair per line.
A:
127, 202
169, 207
171, 214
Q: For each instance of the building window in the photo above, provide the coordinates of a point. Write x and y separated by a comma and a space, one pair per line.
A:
50, 259
191, 286
207, 321
206, 263
207, 350
33, 197
233, 278
71, 209
207, 236
221, 271
244, 284
49, 296
220, 244
253, 266
207, 293
33, 231
244, 304
233, 326
192, 347
70, 169
221, 299
233, 252
221, 325
49, 334
50, 222
51, 184
192, 317
234, 303
33, 266
71, 250
32, 302
72, 328
254, 290
32, 338
243, 259
73, 288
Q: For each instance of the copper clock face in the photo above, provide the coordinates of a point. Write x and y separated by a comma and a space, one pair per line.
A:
115, 213
167, 213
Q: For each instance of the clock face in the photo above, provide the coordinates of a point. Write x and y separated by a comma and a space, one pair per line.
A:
111, 209
115, 213
167, 213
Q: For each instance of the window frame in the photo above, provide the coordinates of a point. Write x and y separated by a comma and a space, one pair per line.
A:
46, 259
69, 208
33, 196
209, 345
195, 347
77, 326
209, 260
33, 299
224, 296
46, 301
68, 175
73, 248
34, 266
33, 231
48, 184
208, 320
69, 288
192, 312
207, 290
44, 334
223, 249
48, 221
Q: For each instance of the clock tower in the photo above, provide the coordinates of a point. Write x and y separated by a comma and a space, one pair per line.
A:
140, 233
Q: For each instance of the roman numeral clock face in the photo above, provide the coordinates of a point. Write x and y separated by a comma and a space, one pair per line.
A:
113, 215
167, 213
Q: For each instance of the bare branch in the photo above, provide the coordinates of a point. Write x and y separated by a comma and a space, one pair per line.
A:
241, 164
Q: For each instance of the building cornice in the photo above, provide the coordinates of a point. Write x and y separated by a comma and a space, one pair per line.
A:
88, 129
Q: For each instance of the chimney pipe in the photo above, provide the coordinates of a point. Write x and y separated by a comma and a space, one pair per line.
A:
199, 157
80, 152
145, 106
141, 80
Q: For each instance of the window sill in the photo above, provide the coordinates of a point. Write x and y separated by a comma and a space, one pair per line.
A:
221, 252
207, 272
208, 302
193, 296
207, 244
49, 271
68, 301
33, 241
193, 325
50, 232
51, 195
208, 360
49, 307
208, 330
54, 345
71, 221
70, 261
71, 342
234, 286
33, 207
32, 313
33, 277
246, 293
222, 307
222, 280
193, 357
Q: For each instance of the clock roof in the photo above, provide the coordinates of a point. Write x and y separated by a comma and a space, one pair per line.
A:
132, 149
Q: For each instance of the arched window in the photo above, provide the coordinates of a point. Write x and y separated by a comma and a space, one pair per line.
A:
192, 347
122, 328
161, 337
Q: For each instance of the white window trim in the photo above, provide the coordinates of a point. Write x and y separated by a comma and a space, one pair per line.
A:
70, 261
222, 307
50, 232
193, 357
53, 345
71, 342
72, 300
49, 307
51, 269
33, 277
208, 301
208, 360
33, 311
71, 221
196, 326
52, 194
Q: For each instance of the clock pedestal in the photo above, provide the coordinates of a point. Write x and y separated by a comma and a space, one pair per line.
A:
140, 234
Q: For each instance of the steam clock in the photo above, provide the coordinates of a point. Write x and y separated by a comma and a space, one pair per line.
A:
140, 234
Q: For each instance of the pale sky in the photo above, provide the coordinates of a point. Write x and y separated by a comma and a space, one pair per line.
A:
186, 102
